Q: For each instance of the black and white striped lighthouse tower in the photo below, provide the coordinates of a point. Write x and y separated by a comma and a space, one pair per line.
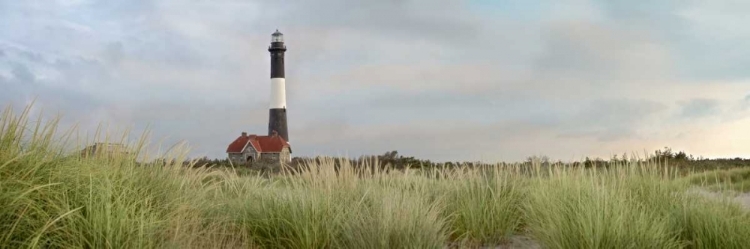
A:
277, 114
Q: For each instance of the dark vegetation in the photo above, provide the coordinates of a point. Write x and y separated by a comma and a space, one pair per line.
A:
681, 160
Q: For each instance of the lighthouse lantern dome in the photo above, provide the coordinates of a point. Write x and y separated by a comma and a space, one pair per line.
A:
277, 36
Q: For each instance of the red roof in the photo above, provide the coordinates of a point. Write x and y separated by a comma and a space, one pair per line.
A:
239, 143
263, 144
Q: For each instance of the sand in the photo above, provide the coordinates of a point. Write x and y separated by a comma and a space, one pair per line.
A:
741, 198
520, 242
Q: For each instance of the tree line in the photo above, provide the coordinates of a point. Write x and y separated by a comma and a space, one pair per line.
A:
392, 160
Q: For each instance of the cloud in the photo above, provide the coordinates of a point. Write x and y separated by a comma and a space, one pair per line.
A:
445, 21
445, 80
704, 35
22, 74
585, 59
613, 119
739, 110
699, 107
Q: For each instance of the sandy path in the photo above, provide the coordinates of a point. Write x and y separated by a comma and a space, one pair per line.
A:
520, 242
742, 198
517, 241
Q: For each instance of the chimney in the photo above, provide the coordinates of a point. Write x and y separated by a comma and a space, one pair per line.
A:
244, 134
274, 133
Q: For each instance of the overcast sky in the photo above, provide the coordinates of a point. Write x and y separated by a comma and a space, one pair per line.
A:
436, 79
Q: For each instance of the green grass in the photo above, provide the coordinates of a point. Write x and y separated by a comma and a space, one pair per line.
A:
52, 199
732, 179
484, 208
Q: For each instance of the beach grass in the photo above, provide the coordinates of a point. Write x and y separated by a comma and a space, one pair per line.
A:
53, 197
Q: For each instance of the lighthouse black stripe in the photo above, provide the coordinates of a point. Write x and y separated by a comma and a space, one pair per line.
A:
277, 65
277, 122
277, 50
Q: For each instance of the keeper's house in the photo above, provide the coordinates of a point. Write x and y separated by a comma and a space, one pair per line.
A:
249, 148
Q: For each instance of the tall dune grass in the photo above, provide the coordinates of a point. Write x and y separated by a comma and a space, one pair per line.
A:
52, 198
732, 179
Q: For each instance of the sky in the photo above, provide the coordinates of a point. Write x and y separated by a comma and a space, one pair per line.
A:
436, 79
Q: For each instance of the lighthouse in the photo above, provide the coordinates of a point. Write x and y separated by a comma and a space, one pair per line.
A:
277, 122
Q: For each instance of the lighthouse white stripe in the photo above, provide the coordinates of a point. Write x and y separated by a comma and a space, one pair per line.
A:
278, 93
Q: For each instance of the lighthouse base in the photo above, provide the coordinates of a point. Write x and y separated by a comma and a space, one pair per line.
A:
277, 122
